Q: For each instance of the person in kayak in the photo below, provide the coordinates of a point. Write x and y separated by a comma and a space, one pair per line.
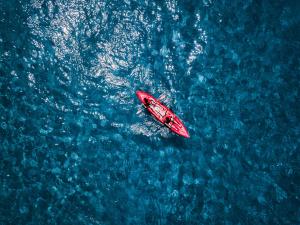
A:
168, 120
147, 103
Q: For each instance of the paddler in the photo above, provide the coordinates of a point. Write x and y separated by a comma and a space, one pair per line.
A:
147, 103
168, 120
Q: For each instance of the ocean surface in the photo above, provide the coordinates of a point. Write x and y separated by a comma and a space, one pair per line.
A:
76, 148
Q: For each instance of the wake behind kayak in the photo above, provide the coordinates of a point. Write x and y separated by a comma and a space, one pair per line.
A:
162, 113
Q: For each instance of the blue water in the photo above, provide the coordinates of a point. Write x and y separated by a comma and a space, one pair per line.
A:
75, 148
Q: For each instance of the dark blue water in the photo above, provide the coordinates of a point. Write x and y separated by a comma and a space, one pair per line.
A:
74, 150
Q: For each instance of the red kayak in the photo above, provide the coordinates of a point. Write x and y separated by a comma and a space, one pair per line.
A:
162, 113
